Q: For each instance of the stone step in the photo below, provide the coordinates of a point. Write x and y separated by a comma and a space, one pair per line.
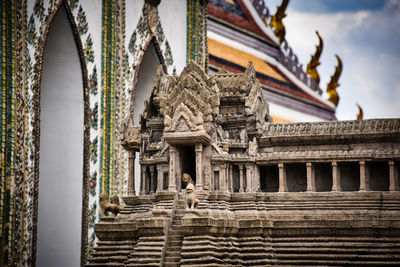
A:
172, 259
148, 254
338, 262
106, 248
359, 251
108, 259
202, 261
219, 248
105, 264
151, 244
111, 253
152, 238
173, 248
116, 243
144, 260
143, 264
336, 239
149, 248
176, 238
174, 253
174, 244
336, 244
176, 231
200, 243
330, 256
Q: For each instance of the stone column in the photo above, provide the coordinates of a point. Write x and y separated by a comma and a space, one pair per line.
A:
160, 178
393, 177
152, 180
310, 177
199, 167
256, 179
143, 179
282, 178
172, 167
222, 178
364, 176
230, 178
249, 177
131, 174
241, 180
336, 177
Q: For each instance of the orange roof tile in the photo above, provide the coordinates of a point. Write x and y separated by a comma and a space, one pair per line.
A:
241, 58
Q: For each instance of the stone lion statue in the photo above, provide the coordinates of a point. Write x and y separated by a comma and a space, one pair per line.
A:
191, 200
107, 205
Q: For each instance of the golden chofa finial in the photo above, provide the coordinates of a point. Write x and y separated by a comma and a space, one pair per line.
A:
360, 115
314, 63
334, 83
276, 21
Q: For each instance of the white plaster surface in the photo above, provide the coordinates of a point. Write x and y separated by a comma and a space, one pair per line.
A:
173, 19
61, 150
133, 11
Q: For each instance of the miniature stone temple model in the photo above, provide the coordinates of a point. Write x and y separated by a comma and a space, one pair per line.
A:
190, 189
321, 193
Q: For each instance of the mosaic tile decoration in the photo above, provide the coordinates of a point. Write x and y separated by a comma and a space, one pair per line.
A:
19, 109
196, 30
8, 127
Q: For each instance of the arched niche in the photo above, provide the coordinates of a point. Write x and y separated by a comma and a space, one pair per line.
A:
61, 166
143, 84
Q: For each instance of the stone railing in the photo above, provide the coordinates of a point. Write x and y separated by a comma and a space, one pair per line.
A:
373, 126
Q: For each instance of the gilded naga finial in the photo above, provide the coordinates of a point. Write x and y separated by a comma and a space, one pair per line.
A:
334, 83
276, 21
360, 115
314, 62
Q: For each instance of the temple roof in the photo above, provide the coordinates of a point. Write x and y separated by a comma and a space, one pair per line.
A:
238, 32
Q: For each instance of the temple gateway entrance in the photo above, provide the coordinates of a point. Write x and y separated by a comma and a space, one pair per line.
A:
187, 162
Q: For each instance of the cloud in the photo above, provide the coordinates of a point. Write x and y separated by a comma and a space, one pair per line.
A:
368, 42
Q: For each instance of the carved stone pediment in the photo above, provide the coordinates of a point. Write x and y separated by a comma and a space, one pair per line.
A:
130, 136
191, 103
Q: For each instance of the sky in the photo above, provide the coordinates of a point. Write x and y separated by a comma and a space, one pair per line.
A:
366, 35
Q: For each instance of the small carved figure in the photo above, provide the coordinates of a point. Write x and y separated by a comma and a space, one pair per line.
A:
107, 205
186, 179
191, 200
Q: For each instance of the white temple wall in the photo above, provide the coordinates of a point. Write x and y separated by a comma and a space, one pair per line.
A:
61, 150
173, 18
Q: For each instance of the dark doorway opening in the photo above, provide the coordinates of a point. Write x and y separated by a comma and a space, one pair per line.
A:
323, 177
350, 176
378, 176
269, 178
235, 178
296, 174
188, 162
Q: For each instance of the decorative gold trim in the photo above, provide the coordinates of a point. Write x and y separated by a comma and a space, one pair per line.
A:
314, 62
360, 115
276, 21
334, 83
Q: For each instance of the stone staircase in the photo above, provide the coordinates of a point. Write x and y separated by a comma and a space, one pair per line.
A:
338, 251
147, 252
175, 235
207, 250
110, 253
